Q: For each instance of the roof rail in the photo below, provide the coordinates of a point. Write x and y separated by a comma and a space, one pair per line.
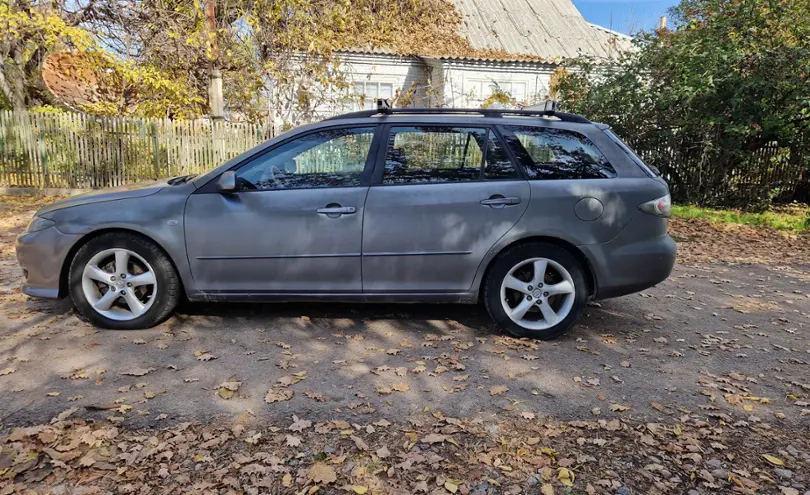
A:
384, 108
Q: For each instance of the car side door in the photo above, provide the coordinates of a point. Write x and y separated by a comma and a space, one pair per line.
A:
294, 223
441, 196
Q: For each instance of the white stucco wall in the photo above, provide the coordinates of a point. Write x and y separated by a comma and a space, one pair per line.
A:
467, 83
378, 76
436, 82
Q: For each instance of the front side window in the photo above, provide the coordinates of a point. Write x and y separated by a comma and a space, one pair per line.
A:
429, 154
557, 154
328, 158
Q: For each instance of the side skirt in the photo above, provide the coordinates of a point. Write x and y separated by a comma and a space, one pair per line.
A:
382, 297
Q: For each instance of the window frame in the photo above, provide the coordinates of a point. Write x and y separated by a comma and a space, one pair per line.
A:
505, 130
385, 136
365, 177
366, 105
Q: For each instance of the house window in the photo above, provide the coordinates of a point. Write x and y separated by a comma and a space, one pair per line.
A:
367, 93
481, 90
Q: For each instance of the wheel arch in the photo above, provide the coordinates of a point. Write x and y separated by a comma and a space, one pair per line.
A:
590, 276
64, 274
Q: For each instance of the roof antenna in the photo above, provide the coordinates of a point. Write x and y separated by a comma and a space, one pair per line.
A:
383, 105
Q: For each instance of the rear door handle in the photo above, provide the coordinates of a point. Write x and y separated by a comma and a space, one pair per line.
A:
337, 210
498, 201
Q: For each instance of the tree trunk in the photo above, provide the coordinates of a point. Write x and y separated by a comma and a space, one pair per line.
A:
16, 79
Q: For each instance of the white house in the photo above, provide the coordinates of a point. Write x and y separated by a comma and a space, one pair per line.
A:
533, 35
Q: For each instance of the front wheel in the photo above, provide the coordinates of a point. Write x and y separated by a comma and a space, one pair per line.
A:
535, 290
123, 281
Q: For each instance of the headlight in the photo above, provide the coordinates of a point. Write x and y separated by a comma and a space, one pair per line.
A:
39, 223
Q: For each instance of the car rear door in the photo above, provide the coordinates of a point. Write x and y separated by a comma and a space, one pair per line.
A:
294, 225
441, 196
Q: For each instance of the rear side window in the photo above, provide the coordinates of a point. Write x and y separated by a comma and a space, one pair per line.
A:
557, 154
435, 154
630, 153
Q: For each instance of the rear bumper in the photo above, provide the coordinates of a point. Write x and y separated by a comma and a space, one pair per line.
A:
621, 267
42, 255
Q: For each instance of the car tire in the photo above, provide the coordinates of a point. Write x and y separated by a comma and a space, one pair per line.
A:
157, 300
561, 266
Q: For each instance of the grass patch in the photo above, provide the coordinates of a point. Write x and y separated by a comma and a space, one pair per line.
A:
795, 218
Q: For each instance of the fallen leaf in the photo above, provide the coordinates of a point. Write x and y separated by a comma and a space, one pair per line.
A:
359, 489
450, 486
773, 460
400, 387
661, 408
321, 472
498, 390
293, 441
565, 476
227, 389
138, 371
7, 371
299, 424
434, 438
278, 395
362, 445
286, 480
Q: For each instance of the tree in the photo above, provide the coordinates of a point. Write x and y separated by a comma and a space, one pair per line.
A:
28, 31
732, 77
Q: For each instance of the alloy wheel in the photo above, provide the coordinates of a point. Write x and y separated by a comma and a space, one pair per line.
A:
119, 284
538, 293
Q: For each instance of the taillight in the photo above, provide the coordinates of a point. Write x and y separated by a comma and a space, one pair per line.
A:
661, 207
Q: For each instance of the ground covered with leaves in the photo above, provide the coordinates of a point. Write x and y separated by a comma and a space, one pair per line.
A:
700, 385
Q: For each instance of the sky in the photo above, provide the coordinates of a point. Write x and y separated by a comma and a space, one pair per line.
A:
625, 16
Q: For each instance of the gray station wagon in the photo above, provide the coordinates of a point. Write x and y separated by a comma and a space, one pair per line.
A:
529, 212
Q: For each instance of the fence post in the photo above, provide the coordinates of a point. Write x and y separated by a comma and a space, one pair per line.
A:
155, 150
43, 156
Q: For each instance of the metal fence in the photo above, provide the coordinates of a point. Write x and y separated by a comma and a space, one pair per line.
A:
75, 150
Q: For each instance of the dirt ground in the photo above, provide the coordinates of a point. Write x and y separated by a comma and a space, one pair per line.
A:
701, 383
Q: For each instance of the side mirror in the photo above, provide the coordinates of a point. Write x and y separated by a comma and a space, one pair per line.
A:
655, 170
227, 182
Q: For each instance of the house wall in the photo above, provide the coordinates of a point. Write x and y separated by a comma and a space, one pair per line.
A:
467, 83
378, 73
435, 83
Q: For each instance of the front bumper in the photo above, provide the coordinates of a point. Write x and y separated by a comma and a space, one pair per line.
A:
42, 255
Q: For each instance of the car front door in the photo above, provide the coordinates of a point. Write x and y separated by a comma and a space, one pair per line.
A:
294, 223
440, 200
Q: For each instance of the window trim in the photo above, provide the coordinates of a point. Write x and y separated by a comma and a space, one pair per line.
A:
505, 130
365, 178
385, 135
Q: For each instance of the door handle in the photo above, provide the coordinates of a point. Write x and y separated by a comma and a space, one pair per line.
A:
498, 201
337, 210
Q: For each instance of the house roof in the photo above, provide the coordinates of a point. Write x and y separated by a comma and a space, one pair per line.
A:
547, 29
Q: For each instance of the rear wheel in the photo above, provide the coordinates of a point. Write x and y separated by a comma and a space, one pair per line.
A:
535, 290
123, 281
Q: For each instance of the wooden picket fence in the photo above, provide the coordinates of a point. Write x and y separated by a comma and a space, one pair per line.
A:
75, 150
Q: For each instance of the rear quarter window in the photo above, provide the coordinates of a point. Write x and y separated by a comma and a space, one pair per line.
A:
549, 154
